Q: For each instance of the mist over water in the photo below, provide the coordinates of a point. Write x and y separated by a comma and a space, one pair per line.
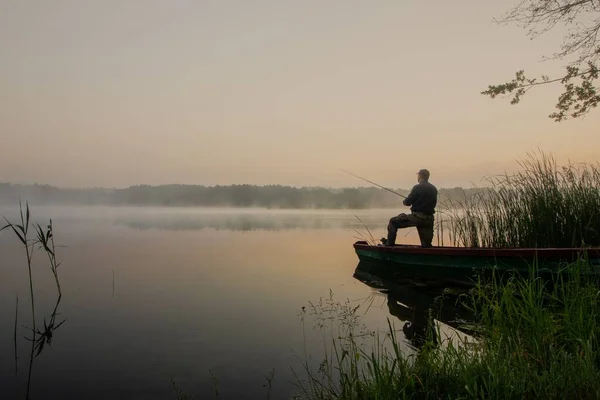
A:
233, 196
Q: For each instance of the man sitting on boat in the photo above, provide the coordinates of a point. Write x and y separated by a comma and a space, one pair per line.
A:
422, 201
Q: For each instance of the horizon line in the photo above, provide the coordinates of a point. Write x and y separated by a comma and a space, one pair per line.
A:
37, 184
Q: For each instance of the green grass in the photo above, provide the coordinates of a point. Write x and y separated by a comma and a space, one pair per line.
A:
542, 205
535, 339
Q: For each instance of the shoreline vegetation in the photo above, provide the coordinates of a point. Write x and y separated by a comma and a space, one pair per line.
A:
543, 205
528, 338
238, 196
540, 188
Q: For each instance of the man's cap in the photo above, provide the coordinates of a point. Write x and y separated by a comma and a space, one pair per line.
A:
424, 173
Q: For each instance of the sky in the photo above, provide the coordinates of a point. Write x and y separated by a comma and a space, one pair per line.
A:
117, 93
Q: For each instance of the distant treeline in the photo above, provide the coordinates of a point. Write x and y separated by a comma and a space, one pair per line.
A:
269, 196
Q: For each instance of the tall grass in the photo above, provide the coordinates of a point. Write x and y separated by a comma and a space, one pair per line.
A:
533, 340
44, 239
542, 205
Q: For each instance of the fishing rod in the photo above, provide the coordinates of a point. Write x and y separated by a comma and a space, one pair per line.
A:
389, 190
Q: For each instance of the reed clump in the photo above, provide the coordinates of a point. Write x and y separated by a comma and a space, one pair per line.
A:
542, 205
534, 339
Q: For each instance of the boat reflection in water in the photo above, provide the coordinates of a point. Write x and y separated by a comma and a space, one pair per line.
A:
421, 305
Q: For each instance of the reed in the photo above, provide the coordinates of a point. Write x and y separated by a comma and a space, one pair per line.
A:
181, 395
21, 231
45, 239
15, 336
369, 239
542, 205
534, 339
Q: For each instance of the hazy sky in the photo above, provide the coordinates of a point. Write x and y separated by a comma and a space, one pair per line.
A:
115, 93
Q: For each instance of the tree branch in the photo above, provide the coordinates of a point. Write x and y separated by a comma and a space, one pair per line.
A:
583, 40
576, 100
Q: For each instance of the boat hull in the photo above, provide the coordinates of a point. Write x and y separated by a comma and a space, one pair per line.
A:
456, 263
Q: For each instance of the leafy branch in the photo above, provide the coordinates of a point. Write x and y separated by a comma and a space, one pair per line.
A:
582, 42
576, 101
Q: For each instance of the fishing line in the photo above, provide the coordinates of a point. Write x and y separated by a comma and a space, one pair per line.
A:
389, 190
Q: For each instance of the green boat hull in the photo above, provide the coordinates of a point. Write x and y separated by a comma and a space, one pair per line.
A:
466, 264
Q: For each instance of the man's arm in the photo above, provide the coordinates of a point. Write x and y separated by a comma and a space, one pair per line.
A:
412, 196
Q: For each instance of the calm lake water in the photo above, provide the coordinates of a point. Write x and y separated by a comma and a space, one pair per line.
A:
151, 294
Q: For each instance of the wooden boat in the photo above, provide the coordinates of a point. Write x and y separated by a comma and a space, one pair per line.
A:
458, 263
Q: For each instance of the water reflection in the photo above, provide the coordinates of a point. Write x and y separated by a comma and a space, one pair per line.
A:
39, 339
418, 305
246, 222
241, 223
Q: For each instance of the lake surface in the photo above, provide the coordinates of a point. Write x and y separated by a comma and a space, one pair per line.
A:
151, 294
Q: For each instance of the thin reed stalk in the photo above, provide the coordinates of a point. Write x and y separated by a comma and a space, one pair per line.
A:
46, 241
15, 336
21, 231
373, 242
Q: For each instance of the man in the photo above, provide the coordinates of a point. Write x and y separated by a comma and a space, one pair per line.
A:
422, 201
